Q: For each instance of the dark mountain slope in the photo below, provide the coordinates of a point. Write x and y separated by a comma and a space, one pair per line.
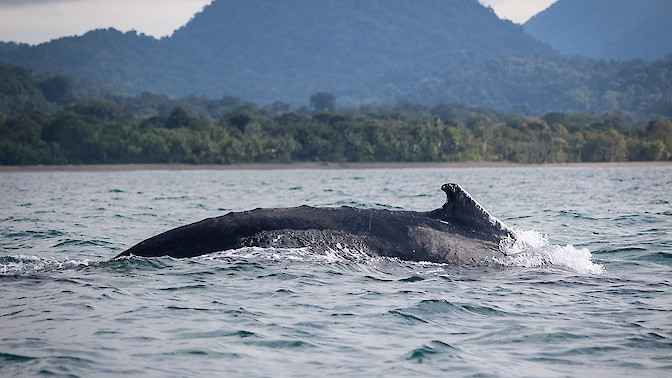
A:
335, 34
361, 50
19, 92
607, 29
127, 61
371, 50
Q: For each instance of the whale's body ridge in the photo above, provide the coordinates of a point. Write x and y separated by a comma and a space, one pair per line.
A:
459, 232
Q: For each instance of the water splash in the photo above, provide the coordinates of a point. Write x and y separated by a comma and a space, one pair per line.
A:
337, 253
21, 265
532, 249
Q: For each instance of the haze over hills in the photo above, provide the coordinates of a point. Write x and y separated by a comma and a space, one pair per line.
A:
288, 49
349, 47
606, 29
362, 51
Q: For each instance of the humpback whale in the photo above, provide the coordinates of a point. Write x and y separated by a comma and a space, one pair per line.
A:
459, 232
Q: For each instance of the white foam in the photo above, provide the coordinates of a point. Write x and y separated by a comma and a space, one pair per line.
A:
338, 253
27, 265
532, 249
249, 253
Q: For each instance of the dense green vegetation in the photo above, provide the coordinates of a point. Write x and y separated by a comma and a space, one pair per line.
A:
99, 131
46, 121
375, 51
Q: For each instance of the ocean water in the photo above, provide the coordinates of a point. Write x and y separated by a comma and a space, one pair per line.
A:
588, 291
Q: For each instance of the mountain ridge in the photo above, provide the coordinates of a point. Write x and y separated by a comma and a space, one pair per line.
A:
259, 49
361, 51
616, 29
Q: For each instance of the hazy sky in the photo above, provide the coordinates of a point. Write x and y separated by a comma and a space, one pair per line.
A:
37, 21
517, 11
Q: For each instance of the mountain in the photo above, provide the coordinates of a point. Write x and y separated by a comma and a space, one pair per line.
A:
347, 46
360, 51
261, 50
606, 29
19, 92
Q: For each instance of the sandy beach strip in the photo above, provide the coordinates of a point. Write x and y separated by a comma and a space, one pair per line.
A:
304, 165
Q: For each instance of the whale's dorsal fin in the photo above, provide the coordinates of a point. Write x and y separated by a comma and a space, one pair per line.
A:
463, 210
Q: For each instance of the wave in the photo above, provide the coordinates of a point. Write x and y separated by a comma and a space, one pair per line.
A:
28, 266
21, 265
532, 250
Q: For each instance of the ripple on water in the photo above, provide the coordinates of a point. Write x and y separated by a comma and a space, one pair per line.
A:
438, 310
20, 265
434, 349
543, 312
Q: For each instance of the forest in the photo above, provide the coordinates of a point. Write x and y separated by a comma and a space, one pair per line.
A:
48, 121
101, 131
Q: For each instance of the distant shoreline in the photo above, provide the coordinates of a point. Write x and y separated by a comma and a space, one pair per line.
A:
304, 165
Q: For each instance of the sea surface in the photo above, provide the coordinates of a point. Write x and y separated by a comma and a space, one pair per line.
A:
587, 291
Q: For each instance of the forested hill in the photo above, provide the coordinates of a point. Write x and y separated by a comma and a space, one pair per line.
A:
361, 51
350, 41
46, 121
606, 29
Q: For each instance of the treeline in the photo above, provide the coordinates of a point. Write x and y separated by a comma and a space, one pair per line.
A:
461, 72
102, 131
51, 120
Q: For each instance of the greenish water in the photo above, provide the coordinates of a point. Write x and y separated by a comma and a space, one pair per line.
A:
588, 295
